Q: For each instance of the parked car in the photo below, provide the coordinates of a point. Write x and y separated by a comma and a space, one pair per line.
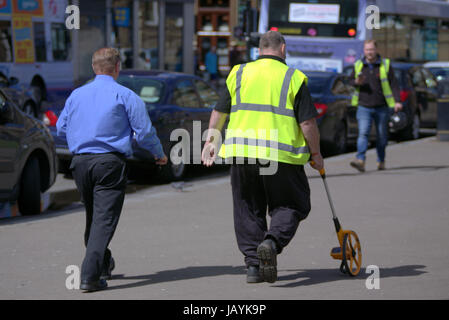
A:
173, 100
331, 95
439, 69
26, 98
28, 162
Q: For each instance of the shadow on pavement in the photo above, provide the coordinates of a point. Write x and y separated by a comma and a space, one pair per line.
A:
388, 170
176, 275
317, 276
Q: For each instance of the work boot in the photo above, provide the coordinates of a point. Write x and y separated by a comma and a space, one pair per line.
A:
106, 274
358, 164
266, 252
381, 165
253, 275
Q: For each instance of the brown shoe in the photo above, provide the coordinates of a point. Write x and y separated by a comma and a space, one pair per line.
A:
381, 165
358, 164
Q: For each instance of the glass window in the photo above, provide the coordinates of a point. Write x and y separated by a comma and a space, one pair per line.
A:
173, 36
207, 94
60, 42
148, 34
122, 30
5, 42
149, 90
324, 18
185, 95
214, 3
317, 84
39, 42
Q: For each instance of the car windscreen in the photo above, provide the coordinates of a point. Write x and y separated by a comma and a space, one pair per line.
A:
318, 84
149, 90
439, 72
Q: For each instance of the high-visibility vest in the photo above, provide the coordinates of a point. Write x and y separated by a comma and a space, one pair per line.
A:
262, 122
383, 73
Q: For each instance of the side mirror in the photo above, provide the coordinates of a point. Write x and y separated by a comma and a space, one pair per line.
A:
4, 111
13, 81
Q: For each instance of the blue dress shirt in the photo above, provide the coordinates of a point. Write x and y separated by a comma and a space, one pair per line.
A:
102, 117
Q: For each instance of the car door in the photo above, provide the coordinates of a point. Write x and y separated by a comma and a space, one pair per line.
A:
426, 97
187, 99
432, 96
11, 132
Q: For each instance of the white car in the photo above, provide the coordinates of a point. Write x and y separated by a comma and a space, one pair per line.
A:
440, 69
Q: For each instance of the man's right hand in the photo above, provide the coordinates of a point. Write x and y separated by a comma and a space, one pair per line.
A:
162, 161
317, 162
360, 80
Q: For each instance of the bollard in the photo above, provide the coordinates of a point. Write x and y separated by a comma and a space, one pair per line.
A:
443, 111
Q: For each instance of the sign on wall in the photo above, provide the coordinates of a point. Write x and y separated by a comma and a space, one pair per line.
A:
29, 7
23, 39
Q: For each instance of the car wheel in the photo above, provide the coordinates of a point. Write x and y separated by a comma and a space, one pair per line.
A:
171, 171
340, 138
30, 188
412, 131
29, 109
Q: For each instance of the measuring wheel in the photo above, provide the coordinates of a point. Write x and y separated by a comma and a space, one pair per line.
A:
352, 254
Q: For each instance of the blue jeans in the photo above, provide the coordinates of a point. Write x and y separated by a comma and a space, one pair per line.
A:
365, 117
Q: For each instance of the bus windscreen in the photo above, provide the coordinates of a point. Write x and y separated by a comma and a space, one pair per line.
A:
314, 18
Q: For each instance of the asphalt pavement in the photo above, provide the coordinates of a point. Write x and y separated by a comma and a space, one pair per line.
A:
178, 242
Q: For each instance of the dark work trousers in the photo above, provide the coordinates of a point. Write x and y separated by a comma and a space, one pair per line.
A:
284, 195
101, 180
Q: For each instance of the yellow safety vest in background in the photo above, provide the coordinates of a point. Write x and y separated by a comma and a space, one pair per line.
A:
383, 73
262, 122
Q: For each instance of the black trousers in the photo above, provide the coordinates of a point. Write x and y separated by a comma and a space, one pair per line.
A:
284, 195
101, 180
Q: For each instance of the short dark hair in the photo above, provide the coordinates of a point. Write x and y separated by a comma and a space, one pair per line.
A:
272, 40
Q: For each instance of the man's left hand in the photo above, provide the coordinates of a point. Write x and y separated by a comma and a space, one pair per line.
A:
397, 107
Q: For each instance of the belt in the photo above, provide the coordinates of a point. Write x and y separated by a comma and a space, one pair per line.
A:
100, 154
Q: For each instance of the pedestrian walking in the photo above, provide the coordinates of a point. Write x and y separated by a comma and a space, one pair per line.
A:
376, 92
211, 62
99, 120
272, 121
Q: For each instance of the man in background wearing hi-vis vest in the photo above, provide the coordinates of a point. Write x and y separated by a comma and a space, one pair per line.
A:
376, 92
272, 121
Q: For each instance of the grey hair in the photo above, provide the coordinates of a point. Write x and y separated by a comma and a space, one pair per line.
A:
271, 40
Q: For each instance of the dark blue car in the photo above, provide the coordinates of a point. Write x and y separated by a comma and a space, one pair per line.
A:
331, 95
174, 101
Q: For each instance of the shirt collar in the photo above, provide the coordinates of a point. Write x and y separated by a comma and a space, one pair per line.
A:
268, 56
378, 60
104, 77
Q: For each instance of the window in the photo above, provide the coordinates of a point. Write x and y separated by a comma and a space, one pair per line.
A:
5, 42
149, 90
207, 94
323, 18
60, 42
39, 42
185, 95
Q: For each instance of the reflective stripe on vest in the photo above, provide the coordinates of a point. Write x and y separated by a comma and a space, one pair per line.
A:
383, 74
262, 121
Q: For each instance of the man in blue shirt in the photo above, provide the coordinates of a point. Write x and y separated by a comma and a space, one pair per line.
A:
99, 121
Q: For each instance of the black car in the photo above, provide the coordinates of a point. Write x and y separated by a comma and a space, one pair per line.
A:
174, 101
27, 99
331, 95
28, 162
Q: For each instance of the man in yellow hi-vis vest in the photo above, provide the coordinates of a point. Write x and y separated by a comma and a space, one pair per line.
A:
376, 92
272, 124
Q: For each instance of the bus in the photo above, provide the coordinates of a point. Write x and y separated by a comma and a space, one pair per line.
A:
328, 35
35, 46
